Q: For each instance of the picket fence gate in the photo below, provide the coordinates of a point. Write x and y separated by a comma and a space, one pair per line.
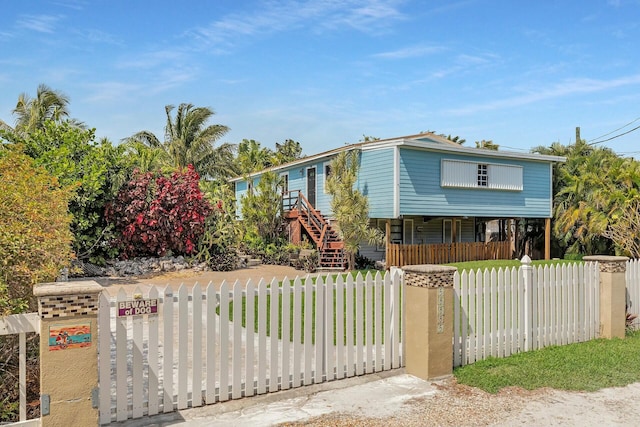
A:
501, 312
632, 277
196, 351
21, 325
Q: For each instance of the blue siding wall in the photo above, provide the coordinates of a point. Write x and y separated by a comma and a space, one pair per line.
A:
241, 191
297, 181
376, 181
421, 193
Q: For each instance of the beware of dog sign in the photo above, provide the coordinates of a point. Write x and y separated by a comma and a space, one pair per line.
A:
137, 306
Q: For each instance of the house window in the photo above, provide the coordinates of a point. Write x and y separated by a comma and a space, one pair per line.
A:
475, 175
327, 174
483, 177
284, 182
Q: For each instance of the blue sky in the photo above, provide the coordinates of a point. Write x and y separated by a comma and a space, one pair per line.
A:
327, 72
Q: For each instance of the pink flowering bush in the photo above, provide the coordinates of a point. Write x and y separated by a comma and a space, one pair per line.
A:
154, 215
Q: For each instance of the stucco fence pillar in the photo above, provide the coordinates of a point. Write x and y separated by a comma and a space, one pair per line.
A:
613, 296
68, 352
428, 296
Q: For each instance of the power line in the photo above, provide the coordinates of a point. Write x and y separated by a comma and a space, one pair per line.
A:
615, 130
614, 137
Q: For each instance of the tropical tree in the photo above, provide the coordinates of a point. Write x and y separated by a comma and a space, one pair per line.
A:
252, 157
455, 139
350, 207
49, 104
368, 138
487, 145
189, 140
286, 152
262, 211
595, 193
93, 170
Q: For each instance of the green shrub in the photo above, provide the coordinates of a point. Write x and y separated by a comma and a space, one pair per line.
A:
93, 169
34, 230
216, 245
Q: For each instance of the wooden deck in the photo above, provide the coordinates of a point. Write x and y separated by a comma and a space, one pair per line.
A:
399, 255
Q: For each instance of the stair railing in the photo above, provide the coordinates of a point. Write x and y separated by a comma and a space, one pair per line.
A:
294, 199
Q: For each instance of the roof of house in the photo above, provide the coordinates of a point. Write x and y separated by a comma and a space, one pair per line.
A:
425, 141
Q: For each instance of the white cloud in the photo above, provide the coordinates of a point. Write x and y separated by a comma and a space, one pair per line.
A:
152, 59
39, 23
363, 15
112, 91
98, 36
566, 88
172, 77
72, 4
410, 52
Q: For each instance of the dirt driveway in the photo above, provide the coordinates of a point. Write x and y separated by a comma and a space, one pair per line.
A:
189, 278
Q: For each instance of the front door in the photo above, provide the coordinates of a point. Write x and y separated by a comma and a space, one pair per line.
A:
311, 186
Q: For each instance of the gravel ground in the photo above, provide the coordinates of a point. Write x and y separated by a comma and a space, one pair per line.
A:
452, 405
458, 405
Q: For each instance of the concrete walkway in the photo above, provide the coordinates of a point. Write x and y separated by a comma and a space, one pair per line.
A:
373, 395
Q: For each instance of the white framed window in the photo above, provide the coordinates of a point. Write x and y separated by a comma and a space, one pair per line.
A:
284, 182
483, 175
327, 173
492, 176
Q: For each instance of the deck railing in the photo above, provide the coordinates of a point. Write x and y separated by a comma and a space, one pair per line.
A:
399, 255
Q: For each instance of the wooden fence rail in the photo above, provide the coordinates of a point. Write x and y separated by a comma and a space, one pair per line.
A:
399, 255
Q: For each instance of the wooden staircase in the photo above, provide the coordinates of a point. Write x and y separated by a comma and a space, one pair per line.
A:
330, 246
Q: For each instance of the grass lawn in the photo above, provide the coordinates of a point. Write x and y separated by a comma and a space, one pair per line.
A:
587, 366
346, 327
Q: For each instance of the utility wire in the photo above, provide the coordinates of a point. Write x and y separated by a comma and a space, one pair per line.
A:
614, 137
615, 130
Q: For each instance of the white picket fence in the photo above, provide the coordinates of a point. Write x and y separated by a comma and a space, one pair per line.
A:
195, 352
21, 325
632, 277
499, 313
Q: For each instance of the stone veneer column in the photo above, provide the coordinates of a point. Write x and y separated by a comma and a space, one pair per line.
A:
428, 320
68, 351
613, 297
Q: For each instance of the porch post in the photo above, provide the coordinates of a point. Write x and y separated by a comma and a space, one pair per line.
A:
68, 352
387, 240
454, 232
613, 297
516, 233
510, 239
547, 238
428, 319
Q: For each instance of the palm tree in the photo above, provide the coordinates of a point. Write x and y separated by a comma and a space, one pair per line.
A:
188, 140
252, 157
31, 113
350, 207
487, 145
